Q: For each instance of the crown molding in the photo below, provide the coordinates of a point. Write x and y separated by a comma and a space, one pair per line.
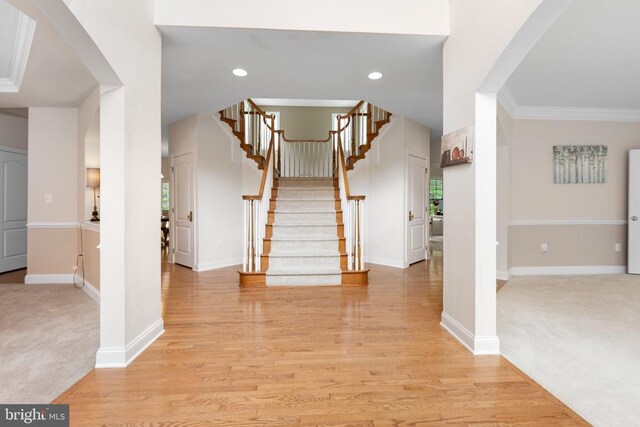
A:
522, 112
505, 97
22, 46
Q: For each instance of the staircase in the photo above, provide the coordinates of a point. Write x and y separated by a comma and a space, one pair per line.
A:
304, 234
304, 227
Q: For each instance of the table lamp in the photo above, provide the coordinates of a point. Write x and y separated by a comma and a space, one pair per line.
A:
93, 181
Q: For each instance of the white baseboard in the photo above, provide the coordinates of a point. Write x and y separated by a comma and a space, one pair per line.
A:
89, 289
206, 266
121, 357
503, 275
48, 279
386, 262
568, 270
476, 345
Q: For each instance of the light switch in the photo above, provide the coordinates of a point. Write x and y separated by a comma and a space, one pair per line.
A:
48, 198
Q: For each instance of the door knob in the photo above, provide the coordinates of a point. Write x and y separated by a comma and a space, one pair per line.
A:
410, 216
190, 216
634, 218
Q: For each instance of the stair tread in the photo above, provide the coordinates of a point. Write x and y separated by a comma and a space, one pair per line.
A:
307, 224
307, 254
304, 239
301, 271
327, 188
304, 212
304, 200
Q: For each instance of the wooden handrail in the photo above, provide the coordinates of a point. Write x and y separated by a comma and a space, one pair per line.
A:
264, 115
353, 110
265, 171
284, 138
343, 167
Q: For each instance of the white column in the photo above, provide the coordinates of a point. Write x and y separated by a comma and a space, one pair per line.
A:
112, 224
485, 336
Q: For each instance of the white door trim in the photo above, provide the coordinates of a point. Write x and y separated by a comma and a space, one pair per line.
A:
633, 229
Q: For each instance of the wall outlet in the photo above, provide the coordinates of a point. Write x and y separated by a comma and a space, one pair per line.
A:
618, 247
219, 243
48, 199
544, 249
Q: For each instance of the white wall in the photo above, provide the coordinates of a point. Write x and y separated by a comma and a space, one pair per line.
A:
302, 123
382, 178
436, 170
222, 175
424, 17
479, 34
183, 136
218, 194
503, 192
119, 43
13, 132
580, 223
52, 196
53, 142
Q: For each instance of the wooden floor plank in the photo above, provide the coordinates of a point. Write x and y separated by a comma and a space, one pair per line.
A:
370, 356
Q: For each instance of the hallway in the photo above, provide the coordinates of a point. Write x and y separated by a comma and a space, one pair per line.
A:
365, 356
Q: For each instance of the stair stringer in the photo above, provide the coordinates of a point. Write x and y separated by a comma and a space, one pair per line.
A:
371, 137
240, 136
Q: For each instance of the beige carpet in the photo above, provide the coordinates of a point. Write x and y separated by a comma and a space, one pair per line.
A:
579, 337
49, 335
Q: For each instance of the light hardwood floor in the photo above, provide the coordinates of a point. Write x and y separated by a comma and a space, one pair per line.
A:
310, 356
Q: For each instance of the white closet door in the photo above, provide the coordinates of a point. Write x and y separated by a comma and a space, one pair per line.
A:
13, 211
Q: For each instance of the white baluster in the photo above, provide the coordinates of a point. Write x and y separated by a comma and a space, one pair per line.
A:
257, 234
244, 236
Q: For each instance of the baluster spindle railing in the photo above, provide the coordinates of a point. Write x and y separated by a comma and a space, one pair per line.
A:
306, 158
255, 207
352, 206
358, 129
252, 126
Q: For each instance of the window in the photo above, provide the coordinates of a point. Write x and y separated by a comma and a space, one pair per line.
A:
435, 196
165, 197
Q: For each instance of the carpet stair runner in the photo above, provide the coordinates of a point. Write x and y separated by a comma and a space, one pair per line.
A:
305, 233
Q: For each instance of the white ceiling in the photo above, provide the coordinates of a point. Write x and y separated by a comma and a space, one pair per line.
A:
309, 65
590, 58
54, 76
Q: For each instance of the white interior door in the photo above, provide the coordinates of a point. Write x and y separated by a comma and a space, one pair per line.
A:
633, 245
416, 188
13, 211
183, 233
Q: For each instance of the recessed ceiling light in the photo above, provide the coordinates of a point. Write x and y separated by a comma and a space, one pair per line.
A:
375, 75
239, 72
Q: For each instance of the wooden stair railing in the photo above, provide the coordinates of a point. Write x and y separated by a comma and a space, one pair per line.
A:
313, 158
251, 126
352, 206
255, 215
360, 127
